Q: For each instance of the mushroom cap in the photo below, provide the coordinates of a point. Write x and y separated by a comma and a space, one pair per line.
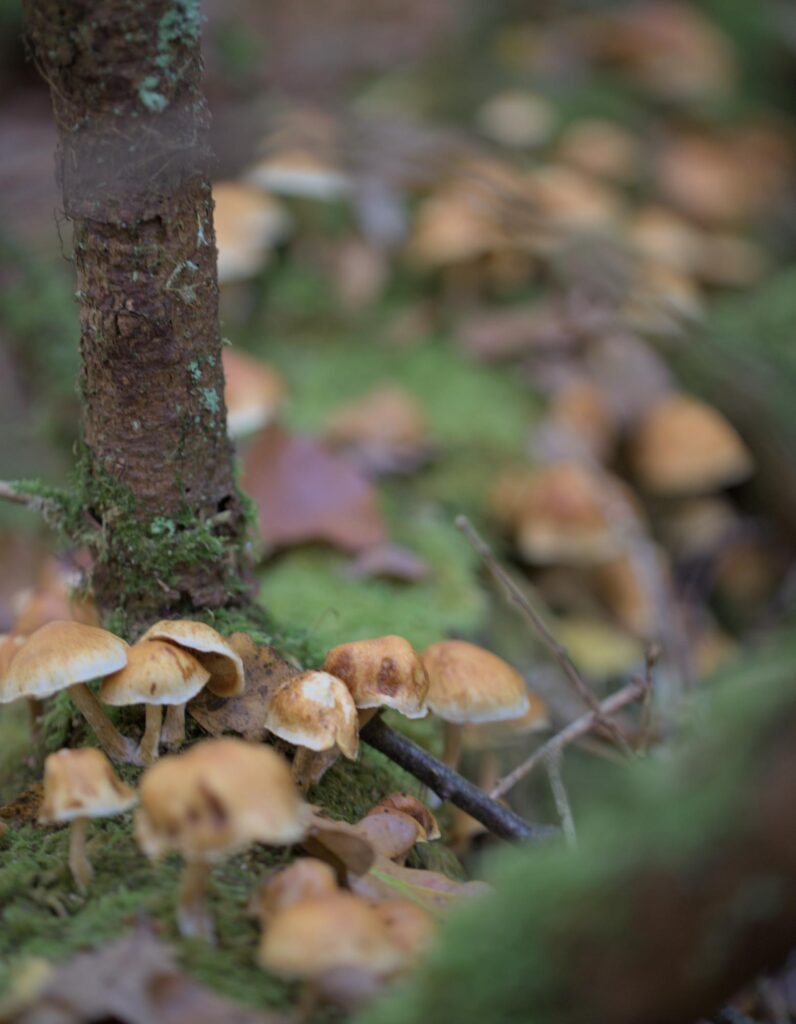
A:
489, 735
562, 513
315, 710
683, 446
248, 223
210, 649
411, 927
390, 833
300, 172
253, 391
471, 684
156, 673
82, 784
216, 799
306, 878
408, 804
10, 643
315, 936
384, 672
58, 656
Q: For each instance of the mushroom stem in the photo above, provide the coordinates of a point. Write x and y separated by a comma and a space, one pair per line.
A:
193, 917
118, 747
452, 751
150, 741
172, 735
309, 766
79, 864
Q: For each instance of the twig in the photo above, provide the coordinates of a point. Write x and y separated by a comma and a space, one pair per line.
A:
581, 726
560, 795
9, 493
449, 785
558, 652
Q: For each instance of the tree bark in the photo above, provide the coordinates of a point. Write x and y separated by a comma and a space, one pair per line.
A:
166, 521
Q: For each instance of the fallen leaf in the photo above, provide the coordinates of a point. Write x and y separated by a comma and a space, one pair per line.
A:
390, 561
346, 847
306, 492
131, 981
387, 880
24, 810
265, 670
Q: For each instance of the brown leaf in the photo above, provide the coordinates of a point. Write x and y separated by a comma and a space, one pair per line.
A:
265, 670
343, 846
306, 492
387, 880
390, 561
24, 810
133, 981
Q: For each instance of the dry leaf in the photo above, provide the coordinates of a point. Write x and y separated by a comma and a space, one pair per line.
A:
24, 809
346, 847
306, 492
131, 981
265, 670
390, 561
431, 889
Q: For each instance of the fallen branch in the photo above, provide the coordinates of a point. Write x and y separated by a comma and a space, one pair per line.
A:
574, 731
449, 785
8, 492
558, 652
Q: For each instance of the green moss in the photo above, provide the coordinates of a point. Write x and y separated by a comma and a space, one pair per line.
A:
310, 589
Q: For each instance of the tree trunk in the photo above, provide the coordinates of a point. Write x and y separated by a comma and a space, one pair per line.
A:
165, 519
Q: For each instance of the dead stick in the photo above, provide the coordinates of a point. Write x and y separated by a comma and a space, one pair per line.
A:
558, 652
449, 785
581, 726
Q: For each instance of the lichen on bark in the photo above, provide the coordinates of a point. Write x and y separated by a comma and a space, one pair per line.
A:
162, 512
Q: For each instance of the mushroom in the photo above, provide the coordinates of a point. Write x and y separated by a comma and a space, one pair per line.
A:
305, 878
213, 652
253, 392
249, 223
384, 672
156, 673
562, 513
411, 927
209, 803
78, 785
65, 656
316, 713
470, 684
337, 943
601, 148
390, 832
408, 804
683, 446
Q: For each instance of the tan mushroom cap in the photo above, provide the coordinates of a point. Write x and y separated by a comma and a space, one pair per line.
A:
390, 833
306, 878
248, 224
315, 710
339, 930
300, 172
156, 673
410, 926
471, 684
384, 672
9, 645
82, 784
562, 513
216, 799
58, 656
253, 392
489, 735
209, 647
683, 446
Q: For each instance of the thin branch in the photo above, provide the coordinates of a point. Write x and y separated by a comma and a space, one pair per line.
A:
449, 785
558, 652
580, 727
553, 765
33, 501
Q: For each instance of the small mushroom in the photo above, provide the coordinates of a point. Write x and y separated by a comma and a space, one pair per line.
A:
683, 446
156, 674
316, 713
305, 878
411, 927
391, 833
336, 943
249, 224
385, 672
408, 804
211, 802
213, 652
79, 785
470, 684
253, 392
65, 656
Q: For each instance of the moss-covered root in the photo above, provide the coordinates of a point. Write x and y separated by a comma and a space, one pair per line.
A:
675, 899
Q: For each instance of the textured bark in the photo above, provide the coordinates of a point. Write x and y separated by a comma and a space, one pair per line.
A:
133, 165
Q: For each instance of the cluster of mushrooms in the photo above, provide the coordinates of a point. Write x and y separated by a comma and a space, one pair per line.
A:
223, 795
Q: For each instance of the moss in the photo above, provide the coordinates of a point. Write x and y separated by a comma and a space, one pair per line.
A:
310, 589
